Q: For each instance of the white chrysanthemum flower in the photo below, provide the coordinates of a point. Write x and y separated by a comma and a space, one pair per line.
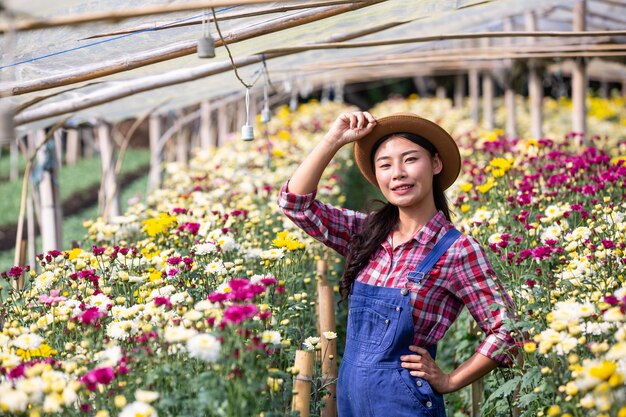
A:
480, 216
312, 343
101, 301
138, 409
179, 297
552, 232
146, 396
121, 330
9, 360
253, 253
271, 337
52, 403
204, 305
330, 335
162, 292
45, 280
272, 254
109, 357
617, 352
495, 238
215, 268
205, 347
227, 243
177, 334
28, 341
12, 400
207, 248
31, 386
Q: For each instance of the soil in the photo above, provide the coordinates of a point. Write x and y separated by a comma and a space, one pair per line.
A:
74, 204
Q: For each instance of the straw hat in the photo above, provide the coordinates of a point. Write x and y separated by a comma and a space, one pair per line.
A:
411, 123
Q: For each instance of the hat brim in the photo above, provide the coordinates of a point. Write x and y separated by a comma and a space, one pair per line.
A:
447, 148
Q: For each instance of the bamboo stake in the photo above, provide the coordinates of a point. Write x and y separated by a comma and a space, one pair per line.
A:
182, 49
459, 90
329, 349
432, 38
205, 125
25, 180
118, 15
150, 83
274, 8
73, 146
579, 78
477, 387
301, 400
155, 125
473, 77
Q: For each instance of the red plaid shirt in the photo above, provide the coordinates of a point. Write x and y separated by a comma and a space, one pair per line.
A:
462, 276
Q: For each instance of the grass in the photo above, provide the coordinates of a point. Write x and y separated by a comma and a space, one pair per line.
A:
82, 176
73, 225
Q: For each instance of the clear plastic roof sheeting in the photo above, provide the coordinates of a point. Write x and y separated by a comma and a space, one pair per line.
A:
119, 69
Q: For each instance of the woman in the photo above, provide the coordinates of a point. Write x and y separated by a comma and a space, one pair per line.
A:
408, 272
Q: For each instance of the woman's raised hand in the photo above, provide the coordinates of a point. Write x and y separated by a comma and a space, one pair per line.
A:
350, 127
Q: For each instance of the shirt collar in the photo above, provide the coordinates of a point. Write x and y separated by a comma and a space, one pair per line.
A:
431, 229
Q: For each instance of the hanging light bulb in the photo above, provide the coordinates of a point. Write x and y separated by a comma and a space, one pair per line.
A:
266, 114
7, 123
247, 131
206, 45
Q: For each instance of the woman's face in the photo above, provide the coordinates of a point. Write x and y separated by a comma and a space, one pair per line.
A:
404, 171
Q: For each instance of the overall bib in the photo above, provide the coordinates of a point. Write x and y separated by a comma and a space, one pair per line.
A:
372, 382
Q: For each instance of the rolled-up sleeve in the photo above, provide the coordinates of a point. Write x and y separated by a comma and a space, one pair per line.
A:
487, 301
330, 225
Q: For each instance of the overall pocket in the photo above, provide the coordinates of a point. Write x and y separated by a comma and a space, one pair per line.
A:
420, 392
372, 324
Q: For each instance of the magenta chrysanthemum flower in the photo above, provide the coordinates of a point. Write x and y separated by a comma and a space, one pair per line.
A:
98, 376
237, 313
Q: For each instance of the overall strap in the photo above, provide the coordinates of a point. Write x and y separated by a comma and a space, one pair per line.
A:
433, 256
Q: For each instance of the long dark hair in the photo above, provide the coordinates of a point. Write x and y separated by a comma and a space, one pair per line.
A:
381, 222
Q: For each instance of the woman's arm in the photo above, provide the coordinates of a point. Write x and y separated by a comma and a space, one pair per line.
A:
348, 127
422, 365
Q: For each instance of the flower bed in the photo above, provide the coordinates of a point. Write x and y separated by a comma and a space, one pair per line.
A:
194, 303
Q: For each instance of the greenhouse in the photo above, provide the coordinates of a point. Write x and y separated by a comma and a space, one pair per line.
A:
166, 248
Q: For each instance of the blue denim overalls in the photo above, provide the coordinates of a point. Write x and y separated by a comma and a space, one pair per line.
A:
372, 382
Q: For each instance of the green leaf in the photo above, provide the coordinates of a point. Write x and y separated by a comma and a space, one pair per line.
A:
506, 389
526, 399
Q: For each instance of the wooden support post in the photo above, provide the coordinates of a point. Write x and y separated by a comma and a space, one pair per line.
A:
156, 155
109, 190
222, 124
579, 78
58, 146
49, 197
440, 92
488, 92
473, 92
459, 90
30, 229
339, 90
535, 85
182, 146
301, 400
477, 388
509, 93
326, 300
14, 163
73, 147
206, 139
87, 134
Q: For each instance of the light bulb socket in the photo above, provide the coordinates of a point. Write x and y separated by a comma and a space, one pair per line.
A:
247, 132
206, 47
266, 115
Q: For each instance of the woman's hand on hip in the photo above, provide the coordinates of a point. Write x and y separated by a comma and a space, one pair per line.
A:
349, 127
422, 365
